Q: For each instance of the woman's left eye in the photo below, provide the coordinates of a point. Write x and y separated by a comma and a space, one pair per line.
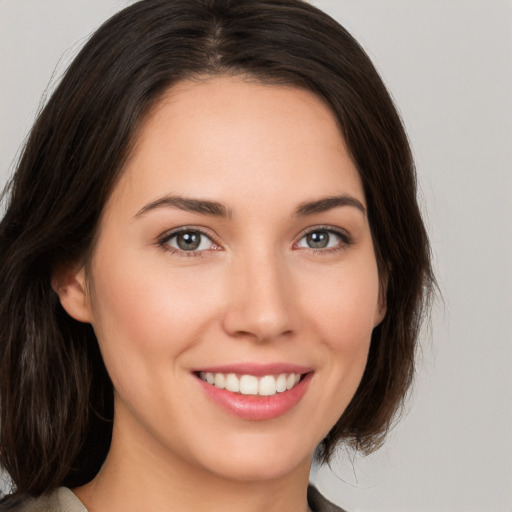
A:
190, 240
322, 239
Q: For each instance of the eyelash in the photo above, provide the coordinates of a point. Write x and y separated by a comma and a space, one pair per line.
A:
163, 241
346, 240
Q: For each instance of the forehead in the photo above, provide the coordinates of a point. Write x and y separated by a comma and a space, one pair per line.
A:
229, 138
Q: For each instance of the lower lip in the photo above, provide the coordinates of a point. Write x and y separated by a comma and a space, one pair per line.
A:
256, 407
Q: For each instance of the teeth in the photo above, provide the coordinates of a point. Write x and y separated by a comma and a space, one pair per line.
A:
220, 380
267, 385
290, 381
232, 383
248, 385
281, 383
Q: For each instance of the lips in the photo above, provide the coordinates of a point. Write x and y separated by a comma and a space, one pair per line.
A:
255, 392
267, 385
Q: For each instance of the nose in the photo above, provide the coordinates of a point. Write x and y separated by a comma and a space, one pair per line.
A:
260, 299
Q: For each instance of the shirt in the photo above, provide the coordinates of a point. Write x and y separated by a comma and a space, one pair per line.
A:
64, 500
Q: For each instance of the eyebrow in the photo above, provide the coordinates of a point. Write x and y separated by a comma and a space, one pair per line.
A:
205, 207
187, 204
328, 203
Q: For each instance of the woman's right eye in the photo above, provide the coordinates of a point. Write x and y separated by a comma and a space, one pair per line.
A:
189, 241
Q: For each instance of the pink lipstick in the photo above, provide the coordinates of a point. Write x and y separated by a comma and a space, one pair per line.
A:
255, 391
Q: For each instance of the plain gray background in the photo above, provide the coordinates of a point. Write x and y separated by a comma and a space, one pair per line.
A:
448, 64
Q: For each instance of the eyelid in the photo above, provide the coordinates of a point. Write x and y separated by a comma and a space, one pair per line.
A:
342, 233
164, 238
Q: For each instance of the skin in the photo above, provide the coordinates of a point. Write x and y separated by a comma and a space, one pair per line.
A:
256, 293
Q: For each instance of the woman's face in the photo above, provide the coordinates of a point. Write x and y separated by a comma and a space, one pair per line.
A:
235, 249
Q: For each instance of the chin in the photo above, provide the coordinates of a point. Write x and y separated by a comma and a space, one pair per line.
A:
262, 459
262, 469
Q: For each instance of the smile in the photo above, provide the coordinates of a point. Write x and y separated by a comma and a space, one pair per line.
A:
265, 385
255, 391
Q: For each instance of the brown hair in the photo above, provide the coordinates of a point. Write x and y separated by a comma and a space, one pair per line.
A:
56, 396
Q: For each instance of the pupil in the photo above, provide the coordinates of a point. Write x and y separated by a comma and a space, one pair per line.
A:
189, 241
318, 239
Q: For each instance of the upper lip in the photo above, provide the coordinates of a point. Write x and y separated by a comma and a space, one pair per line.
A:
256, 369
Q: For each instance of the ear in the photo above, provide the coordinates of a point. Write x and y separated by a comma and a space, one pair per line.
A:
69, 282
380, 310
382, 306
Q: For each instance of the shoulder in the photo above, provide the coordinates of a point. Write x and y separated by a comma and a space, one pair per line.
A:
60, 500
318, 503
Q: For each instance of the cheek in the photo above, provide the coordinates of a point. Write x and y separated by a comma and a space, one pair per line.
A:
343, 312
345, 305
146, 314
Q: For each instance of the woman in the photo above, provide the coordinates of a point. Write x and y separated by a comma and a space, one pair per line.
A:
213, 265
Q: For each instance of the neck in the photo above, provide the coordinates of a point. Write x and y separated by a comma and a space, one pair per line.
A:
141, 475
